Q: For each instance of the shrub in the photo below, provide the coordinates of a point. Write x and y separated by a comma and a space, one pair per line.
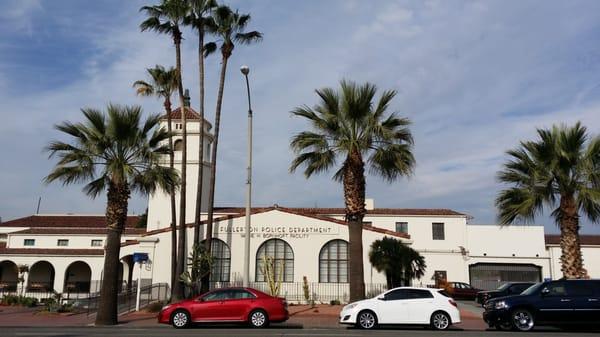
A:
19, 300
28, 301
10, 300
335, 302
155, 306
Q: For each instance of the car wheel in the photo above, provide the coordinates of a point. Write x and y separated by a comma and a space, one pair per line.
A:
180, 319
440, 320
522, 319
258, 319
366, 320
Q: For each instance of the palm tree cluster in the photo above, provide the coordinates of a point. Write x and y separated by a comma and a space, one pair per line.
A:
400, 263
229, 28
561, 171
119, 153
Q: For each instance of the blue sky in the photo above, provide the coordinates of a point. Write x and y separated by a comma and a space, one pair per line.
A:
474, 77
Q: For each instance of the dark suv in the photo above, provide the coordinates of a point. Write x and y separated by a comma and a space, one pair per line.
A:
557, 303
507, 289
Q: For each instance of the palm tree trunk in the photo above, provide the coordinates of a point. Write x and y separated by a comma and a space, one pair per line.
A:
167, 105
181, 246
201, 141
571, 260
354, 197
116, 217
213, 169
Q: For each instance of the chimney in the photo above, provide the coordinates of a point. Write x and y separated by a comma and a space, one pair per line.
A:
369, 204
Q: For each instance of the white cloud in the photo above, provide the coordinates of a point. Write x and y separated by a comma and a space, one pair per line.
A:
17, 15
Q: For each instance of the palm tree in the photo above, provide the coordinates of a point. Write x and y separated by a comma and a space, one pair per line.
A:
163, 83
200, 21
230, 28
400, 263
119, 153
167, 18
348, 126
560, 170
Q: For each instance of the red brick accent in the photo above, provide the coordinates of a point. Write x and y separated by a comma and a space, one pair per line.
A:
341, 211
74, 230
88, 221
50, 251
189, 114
592, 240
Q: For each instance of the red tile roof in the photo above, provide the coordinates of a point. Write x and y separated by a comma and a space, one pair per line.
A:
50, 251
295, 211
341, 211
75, 230
81, 221
189, 114
593, 240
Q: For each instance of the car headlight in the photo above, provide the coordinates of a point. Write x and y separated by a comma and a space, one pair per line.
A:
350, 306
500, 305
166, 307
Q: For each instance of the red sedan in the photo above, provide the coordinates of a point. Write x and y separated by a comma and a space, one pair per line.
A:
226, 305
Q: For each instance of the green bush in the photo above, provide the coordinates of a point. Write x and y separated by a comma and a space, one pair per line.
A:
28, 301
10, 300
19, 300
155, 306
335, 302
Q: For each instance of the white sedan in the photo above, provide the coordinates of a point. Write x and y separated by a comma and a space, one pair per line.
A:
404, 305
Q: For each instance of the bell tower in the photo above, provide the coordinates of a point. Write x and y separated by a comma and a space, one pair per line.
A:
159, 207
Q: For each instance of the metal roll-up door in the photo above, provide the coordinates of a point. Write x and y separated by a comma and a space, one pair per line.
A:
490, 276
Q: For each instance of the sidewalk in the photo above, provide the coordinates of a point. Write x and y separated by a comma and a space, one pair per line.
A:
32, 317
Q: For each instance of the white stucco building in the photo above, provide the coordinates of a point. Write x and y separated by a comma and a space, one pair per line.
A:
65, 253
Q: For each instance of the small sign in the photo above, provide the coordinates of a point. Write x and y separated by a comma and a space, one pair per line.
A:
140, 257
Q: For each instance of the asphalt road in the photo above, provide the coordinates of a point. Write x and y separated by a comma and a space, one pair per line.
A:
242, 332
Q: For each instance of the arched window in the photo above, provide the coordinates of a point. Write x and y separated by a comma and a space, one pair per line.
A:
333, 262
283, 260
221, 261
178, 145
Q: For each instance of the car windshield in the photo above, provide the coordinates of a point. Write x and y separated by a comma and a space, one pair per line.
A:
503, 287
533, 289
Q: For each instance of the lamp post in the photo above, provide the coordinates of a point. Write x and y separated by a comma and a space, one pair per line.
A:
245, 70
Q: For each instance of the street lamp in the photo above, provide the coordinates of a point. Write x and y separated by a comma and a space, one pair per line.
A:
245, 70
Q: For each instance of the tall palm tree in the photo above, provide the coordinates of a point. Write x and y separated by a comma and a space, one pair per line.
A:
167, 18
119, 153
230, 28
201, 21
163, 83
348, 125
400, 263
561, 171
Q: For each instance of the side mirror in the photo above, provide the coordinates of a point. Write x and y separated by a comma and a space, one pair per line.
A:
200, 299
545, 291
381, 298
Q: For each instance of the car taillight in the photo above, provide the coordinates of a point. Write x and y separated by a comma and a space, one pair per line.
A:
453, 303
284, 302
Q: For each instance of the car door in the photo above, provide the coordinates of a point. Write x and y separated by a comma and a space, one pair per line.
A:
419, 306
468, 291
555, 304
209, 306
392, 309
454, 290
236, 306
584, 301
